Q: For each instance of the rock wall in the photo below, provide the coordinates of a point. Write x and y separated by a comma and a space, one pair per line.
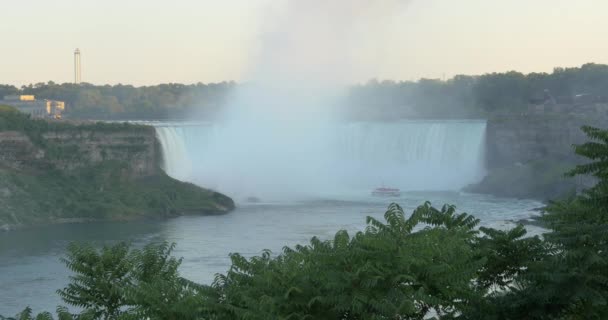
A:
529, 137
62, 172
68, 150
17, 151
527, 155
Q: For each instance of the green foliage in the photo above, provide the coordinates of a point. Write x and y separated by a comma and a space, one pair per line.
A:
105, 191
117, 282
579, 228
12, 120
159, 292
458, 97
87, 101
120, 283
508, 254
62, 314
463, 96
571, 280
388, 271
100, 280
102, 192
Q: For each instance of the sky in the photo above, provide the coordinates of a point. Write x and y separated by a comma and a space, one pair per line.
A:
147, 42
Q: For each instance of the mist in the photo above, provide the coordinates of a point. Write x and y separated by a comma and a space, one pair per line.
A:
281, 135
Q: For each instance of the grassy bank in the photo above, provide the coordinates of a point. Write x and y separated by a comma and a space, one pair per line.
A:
35, 191
103, 192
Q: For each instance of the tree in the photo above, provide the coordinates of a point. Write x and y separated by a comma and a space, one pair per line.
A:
100, 281
579, 230
159, 292
62, 314
387, 272
570, 281
117, 282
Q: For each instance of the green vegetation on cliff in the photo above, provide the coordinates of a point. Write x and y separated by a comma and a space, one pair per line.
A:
13, 120
100, 192
48, 180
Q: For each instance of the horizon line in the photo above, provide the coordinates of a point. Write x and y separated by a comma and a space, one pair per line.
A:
372, 79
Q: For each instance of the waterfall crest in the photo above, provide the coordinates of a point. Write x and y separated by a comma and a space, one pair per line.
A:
411, 155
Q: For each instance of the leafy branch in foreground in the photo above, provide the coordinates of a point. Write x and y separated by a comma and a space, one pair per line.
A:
569, 280
117, 282
62, 314
387, 272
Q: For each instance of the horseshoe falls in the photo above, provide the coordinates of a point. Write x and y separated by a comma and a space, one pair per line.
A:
349, 158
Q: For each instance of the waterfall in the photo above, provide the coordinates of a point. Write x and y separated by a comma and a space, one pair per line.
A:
411, 155
176, 161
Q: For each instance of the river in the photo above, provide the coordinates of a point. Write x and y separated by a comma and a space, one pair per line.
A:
31, 271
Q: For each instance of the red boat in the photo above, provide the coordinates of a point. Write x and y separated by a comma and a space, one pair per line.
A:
386, 192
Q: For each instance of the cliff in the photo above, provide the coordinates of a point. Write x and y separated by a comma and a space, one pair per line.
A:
54, 172
74, 147
528, 154
525, 138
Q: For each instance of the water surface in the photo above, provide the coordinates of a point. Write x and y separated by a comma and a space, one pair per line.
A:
31, 272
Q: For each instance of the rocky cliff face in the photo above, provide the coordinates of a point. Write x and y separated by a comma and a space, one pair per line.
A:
521, 139
17, 151
527, 155
68, 150
58, 172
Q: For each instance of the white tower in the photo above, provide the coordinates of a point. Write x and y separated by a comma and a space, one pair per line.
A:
77, 67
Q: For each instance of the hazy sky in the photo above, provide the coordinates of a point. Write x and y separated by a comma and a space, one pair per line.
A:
151, 41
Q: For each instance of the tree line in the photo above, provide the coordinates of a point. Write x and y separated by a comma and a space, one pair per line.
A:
459, 97
432, 263
124, 102
479, 96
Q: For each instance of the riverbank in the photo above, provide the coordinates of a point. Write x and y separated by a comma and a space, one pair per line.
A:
59, 172
100, 193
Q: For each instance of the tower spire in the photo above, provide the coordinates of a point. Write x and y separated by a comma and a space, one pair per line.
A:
77, 67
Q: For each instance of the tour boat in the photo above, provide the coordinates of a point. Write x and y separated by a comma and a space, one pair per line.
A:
386, 192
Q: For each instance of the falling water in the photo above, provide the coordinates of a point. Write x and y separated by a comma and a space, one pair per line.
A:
411, 155
176, 161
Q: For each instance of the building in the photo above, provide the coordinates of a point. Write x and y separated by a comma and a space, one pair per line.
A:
35, 108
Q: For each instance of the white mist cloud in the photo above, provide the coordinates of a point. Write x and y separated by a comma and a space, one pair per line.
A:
276, 139
323, 43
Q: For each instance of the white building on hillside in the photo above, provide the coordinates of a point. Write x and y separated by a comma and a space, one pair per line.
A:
35, 108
